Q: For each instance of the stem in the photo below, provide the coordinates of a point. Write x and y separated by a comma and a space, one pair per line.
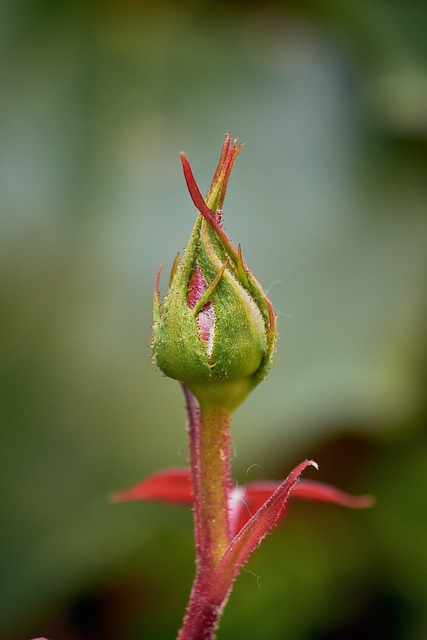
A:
201, 620
211, 505
208, 429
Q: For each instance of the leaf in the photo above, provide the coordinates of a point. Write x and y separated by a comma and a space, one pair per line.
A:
171, 485
252, 534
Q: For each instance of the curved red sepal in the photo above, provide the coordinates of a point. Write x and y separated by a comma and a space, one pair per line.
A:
200, 203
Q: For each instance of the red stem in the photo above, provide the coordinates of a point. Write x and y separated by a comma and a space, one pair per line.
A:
208, 429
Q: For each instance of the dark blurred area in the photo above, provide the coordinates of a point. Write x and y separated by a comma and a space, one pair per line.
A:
328, 199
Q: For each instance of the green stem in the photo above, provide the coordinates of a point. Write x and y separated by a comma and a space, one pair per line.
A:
214, 486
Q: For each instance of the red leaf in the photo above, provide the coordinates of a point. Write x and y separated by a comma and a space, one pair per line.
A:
171, 485
257, 493
252, 534
321, 492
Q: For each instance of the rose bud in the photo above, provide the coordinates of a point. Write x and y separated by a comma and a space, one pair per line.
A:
215, 329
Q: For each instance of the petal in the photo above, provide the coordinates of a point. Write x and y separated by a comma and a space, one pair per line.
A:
171, 485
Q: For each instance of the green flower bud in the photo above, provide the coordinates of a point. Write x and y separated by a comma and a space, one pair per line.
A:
215, 329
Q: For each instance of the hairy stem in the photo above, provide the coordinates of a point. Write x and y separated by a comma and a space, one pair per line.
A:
215, 484
208, 428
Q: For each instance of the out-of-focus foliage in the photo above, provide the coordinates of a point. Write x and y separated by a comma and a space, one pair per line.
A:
328, 200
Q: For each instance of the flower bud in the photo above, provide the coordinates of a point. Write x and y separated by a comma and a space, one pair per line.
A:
215, 329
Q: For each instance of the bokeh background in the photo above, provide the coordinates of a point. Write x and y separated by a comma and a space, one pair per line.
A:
328, 199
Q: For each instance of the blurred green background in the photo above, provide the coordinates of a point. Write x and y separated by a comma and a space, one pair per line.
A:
328, 199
